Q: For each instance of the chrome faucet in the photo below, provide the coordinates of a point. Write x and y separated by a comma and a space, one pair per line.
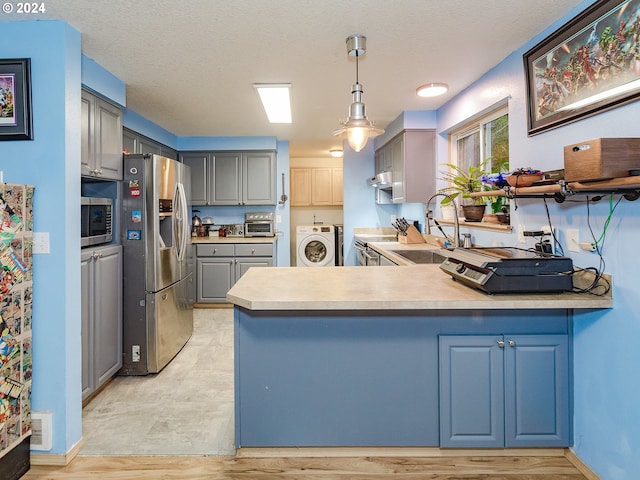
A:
456, 223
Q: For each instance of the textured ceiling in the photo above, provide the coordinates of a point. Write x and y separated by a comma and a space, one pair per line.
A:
189, 65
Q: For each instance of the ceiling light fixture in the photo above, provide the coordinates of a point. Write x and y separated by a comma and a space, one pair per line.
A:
336, 152
432, 89
358, 129
276, 100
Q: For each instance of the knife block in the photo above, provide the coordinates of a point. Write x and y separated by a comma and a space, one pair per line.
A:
412, 236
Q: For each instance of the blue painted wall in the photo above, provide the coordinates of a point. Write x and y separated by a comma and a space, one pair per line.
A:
96, 78
138, 123
607, 386
51, 162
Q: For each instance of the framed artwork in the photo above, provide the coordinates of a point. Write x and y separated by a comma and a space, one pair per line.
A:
589, 65
15, 99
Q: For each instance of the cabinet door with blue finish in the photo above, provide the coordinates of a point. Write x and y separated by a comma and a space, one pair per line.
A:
471, 391
537, 390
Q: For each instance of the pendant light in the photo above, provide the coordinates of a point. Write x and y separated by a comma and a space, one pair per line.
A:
358, 129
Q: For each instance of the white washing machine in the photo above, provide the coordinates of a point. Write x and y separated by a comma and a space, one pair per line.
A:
315, 246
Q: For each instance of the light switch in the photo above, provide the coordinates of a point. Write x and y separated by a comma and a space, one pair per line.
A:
41, 242
573, 240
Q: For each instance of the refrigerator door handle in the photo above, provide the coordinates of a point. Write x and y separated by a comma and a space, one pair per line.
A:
180, 231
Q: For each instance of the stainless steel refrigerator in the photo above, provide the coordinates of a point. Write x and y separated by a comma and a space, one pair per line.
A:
157, 262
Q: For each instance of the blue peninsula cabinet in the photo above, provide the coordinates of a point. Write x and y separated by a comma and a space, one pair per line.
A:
356, 356
504, 391
376, 378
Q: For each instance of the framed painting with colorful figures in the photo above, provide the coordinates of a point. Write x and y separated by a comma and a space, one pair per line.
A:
15, 99
589, 65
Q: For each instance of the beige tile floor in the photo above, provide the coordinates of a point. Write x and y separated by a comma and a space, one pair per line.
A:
186, 409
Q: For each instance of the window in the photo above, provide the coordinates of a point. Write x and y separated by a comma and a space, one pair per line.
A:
484, 141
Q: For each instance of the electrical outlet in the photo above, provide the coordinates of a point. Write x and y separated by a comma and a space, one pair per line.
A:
393, 219
573, 240
135, 353
521, 238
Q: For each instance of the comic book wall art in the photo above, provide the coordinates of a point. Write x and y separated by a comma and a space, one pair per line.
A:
16, 300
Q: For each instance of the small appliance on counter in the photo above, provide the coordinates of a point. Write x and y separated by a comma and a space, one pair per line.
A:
258, 224
234, 230
508, 270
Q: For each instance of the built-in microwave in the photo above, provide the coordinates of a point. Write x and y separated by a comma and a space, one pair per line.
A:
96, 217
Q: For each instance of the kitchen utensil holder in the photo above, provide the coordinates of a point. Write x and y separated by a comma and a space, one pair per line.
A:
412, 236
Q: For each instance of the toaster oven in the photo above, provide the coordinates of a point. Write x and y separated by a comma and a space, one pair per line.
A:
259, 224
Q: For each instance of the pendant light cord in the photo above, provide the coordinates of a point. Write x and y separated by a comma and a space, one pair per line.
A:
357, 78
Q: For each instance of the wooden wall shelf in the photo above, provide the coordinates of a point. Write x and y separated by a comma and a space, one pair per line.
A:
625, 185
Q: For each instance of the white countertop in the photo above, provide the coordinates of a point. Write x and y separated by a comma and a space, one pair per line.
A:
201, 240
415, 287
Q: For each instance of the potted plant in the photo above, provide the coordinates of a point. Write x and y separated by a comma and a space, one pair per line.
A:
461, 184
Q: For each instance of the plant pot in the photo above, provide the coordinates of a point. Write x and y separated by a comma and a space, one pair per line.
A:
490, 218
473, 213
504, 218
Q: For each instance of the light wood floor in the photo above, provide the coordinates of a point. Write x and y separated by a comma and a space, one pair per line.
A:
311, 468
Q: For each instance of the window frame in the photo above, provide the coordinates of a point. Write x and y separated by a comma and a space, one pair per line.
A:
472, 127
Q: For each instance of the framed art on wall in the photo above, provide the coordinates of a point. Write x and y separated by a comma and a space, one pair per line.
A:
589, 65
15, 99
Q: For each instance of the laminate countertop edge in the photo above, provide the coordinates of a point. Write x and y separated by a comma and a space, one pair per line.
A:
416, 287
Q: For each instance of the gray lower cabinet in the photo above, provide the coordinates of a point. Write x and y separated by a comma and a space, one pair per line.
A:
232, 178
101, 269
133, 142
504, 391
219, 266
101, 138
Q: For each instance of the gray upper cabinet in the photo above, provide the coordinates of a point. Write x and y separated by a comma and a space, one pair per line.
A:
133, 142
411, 157
259, 178
101, 136
225, 178
198, 162
232, 178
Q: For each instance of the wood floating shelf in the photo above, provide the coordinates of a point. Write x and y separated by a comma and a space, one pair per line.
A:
624, 185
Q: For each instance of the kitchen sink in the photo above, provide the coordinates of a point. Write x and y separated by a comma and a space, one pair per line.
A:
420, 256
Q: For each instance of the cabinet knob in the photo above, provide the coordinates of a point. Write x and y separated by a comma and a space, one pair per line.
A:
512, 343
253, 250
215, 250
500, 343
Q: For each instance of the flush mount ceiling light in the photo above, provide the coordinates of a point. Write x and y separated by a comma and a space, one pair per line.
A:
276, 100
336, 152
358, 129
432, 89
